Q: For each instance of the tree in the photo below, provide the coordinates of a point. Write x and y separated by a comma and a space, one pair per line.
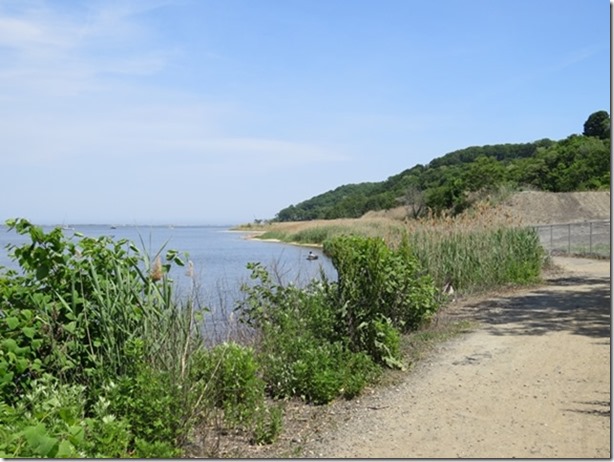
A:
598, 124
415, 201
483, 173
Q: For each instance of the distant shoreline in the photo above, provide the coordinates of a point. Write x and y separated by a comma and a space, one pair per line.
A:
253, 235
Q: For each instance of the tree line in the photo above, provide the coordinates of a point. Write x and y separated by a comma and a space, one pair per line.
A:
576, 163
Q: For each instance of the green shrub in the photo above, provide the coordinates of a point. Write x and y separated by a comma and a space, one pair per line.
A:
230, 378
234, 384
97, 314
302, 351
379, 290
50, 422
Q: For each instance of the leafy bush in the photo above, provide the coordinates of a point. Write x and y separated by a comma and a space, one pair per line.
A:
234, 382
51, 422
230, 376
301, 350
96, 314
379, 290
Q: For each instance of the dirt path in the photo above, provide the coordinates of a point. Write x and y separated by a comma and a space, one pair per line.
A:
532, 381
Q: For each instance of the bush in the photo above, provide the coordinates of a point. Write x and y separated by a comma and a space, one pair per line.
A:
96, 314
302, 351
230, 375
379, 290
235, 387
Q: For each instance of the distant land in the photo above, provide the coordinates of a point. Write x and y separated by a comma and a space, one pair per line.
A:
455, 180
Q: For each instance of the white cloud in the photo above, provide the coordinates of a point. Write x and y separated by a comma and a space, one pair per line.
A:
47, 51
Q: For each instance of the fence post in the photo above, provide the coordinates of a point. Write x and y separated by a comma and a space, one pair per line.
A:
590, 239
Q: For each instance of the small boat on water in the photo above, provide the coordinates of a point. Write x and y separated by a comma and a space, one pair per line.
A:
312, 256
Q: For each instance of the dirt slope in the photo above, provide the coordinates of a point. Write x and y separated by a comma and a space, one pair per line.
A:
532, 381
536, 208
539, 208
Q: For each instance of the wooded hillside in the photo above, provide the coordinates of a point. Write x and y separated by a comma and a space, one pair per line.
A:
576, 163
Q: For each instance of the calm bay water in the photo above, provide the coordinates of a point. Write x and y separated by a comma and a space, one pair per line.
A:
219, 257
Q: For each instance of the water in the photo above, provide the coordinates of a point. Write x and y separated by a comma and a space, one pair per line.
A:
219, 257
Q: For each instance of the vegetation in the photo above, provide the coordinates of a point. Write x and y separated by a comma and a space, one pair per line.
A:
97, 359
474, 251
448, 183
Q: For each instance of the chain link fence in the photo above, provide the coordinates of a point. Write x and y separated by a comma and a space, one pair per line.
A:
590, 238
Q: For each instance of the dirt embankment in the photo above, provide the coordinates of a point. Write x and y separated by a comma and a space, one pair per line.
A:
537, 208
532, 381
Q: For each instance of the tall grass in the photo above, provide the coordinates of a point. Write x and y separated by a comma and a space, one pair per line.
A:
480, 249
479, 260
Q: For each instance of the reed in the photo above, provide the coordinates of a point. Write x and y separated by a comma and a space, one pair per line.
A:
480, 249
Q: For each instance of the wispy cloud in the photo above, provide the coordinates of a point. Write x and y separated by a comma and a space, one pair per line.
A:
62, 97
47, 51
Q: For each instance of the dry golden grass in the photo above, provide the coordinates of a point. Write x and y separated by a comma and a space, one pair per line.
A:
391, 225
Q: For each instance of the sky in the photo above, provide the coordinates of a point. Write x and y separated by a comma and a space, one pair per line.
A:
226, 111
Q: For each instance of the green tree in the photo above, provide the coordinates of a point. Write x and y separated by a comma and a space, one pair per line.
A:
483, 173
598, 124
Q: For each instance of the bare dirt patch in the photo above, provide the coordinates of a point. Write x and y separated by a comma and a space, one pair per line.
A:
537, 207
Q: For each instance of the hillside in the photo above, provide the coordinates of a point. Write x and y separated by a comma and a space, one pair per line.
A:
453, 181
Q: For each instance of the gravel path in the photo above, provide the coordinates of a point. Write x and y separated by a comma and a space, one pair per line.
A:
532, 381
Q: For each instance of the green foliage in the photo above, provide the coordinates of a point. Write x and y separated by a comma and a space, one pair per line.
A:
480, 259
378, 290
302, 351
575, 163
235, 385
323, 341
95, 321
598, 124
148, 402
232, 381
51, 422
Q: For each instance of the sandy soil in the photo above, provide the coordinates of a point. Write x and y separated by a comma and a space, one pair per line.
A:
533, 380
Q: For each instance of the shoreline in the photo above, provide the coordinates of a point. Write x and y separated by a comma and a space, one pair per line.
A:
253, 235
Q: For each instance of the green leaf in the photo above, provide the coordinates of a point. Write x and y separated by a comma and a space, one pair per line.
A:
40, 443
21, 365
6, 378
71, 327
12, 322
9, 345
27, 314
28, 332
76, 434
66, 450
42, 271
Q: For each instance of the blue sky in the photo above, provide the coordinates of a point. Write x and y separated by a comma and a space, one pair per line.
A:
223, 111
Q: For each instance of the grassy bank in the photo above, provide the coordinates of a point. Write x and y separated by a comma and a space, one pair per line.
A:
99, 358
474, 251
